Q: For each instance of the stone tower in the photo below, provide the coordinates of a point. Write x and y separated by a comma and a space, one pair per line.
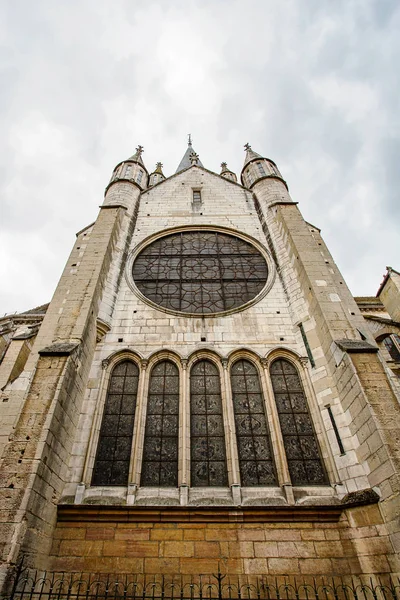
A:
202, 387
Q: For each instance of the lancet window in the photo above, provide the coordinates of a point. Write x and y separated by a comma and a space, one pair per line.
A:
115, 442
163, 430
208, 457
253, 439
160, 452
300, 442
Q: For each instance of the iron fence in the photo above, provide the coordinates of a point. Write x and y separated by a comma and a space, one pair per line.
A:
35, 585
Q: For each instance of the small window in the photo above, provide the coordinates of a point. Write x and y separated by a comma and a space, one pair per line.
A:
139, 176
392, 345
261, 168
128, 170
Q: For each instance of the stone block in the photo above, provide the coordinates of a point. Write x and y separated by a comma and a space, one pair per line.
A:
178, 549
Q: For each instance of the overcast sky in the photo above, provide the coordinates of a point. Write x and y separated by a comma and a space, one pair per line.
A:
312, 84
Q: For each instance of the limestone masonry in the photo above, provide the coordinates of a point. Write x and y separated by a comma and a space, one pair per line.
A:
202, 392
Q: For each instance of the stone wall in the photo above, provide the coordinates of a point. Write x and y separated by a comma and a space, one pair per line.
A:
197, 542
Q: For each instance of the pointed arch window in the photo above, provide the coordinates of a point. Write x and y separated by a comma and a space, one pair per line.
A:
256, 461
160, 453
299, 438
114, 448
208, 456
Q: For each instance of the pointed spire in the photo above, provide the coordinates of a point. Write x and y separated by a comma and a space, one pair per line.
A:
250, 154
157, 175
190, 157
159, 167
227, 173
137, 157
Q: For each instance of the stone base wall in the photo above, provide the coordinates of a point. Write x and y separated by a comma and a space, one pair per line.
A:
357, 543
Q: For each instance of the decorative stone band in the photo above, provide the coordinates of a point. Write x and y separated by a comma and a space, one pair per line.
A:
222, 514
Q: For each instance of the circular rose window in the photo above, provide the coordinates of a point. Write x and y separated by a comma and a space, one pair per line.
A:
200, 272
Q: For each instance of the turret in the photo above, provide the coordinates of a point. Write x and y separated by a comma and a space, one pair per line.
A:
132, 169
157, 175
256, 168
129, 178
225, 172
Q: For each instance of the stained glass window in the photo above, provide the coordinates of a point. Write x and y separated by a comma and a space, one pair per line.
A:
160, 453
208, 458
200, 272
115, 442
253, 438
301, 445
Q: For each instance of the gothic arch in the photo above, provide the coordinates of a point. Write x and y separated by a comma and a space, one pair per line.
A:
304, 456
116, 428
205, 354
254, 429
148, 366
244, 354
108, 365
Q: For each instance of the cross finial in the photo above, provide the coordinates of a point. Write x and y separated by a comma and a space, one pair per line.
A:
140, 150
159, 165
194, 158
247, 146
224, 165
189, 139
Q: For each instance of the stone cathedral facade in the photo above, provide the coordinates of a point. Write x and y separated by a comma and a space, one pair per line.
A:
202, 391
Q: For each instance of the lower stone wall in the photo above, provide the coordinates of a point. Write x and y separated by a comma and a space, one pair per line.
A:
357, 543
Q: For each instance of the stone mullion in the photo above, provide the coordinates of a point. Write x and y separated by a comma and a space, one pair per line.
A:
277, 444
184, 433
230, 431
140, 424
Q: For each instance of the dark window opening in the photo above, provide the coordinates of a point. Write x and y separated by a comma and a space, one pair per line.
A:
256, 460
115, 442
208, 457
299, 439
160, 453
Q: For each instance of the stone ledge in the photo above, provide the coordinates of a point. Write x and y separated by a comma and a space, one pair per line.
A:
60, 349
355, 346
211, 514
113, 206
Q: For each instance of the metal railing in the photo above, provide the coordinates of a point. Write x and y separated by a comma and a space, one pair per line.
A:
36, 585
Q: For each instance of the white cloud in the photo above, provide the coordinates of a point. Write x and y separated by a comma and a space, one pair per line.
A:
313, 85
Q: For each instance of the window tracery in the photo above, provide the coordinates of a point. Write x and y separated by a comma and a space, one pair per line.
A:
208, 457
245, 403
115, 441
300, 442
200, 272
160, 452
253, 438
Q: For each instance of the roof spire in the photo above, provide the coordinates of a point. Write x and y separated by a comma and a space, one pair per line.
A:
138, 155
190, 158
227, 173
250, 154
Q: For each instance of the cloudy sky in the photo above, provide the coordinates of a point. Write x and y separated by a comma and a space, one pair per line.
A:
313, 84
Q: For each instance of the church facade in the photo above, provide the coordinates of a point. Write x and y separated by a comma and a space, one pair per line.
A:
202, 390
